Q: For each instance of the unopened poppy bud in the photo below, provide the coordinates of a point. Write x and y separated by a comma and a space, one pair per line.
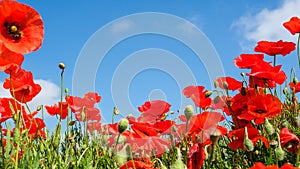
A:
215, 135
242, 74
66, 90
164, 117
122, 126
216, 99
247, 142
216, 84
295, 80
285, 90
243, 91
116, 111
225, 85
280, 154
269, 128
188, 111
265, 90
208, 93
39, 108
172, 112
62, 66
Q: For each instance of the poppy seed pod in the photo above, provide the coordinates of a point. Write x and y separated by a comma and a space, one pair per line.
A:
247, 142
188, 111
215, 135
122, 126
62, 66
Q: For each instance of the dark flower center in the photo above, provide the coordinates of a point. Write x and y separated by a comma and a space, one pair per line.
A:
260, 111
13, 30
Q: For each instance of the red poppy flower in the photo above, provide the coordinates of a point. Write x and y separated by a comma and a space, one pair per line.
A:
151, 129
132, 164
261, 107
22, 29
228, 82
275, 48
7, 58
84, 107
94, 126
259, 165
265, 75
197, 94
293, 25
246, 61
153, 110
57, 108
205, 121
22, 88
295, 87
289, 140
7, 107
196, 156
33, 125
239, 136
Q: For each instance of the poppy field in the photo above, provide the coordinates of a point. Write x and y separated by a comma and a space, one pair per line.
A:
248, 123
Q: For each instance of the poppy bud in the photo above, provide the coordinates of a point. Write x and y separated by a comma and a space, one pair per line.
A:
285, 90
280, 154
66, 90
122, 126
225, 85
208, 93
295, 80
269, 128
216, 84
247, 142
216, 99
243, 91
116, 111
172, 112
62, 66
242, 74
215, 135
188, 111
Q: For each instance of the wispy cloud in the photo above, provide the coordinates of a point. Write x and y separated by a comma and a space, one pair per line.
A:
122, 25
267, 24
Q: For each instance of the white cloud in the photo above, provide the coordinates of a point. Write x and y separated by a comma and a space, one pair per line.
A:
49, 94
267, 24
121, 26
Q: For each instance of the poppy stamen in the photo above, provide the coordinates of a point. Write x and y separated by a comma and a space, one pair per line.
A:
13, 30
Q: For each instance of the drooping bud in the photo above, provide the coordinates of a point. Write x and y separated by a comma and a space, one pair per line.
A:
123, 124
215, 135
188, 111
225, 85
208, 93
62, 66
295, 80
172, 112
242, 74
279, 152
269, 128
216, 84
285, 90
39, 108
66, 90
216, 99
247, 142
116, 111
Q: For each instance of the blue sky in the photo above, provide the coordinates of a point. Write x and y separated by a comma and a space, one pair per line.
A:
232, 27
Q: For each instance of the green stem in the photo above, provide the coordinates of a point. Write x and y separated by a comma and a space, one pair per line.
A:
274, 62
118, 137
113, 118
61, 92
298, 51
